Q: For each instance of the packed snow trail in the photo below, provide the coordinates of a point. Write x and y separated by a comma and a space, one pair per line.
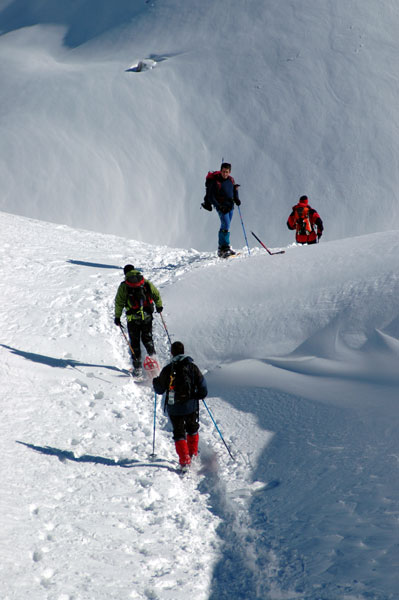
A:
85, 513
309, 507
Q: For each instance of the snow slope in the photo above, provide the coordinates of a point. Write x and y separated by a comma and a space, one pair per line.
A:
308, 509
299, 96
103, 164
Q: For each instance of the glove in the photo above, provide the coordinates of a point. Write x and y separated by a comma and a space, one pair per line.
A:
237, 201
159, 309
117, 321
207, 206
319, 234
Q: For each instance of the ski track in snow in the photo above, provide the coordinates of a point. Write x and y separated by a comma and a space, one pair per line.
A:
84, 433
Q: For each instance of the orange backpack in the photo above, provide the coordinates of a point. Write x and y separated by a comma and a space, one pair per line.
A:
302, 220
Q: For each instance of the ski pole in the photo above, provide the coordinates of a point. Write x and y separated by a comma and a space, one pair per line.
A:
127, 341
217, 429
267, 249
166, 329
153, 436
243, 228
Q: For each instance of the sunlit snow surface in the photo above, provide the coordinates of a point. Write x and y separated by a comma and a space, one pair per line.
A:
111, 115
308, 509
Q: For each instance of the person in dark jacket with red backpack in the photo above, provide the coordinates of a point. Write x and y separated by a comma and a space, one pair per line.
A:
222, 193
183, 385
304, 219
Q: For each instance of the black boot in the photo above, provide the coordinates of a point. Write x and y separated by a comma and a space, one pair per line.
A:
225, 252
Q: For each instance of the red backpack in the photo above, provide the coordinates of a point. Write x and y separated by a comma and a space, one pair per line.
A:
213, 176
138, 294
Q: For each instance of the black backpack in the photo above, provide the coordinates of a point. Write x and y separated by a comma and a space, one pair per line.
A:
182, 380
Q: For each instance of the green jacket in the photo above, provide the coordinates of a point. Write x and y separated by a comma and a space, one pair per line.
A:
121, 300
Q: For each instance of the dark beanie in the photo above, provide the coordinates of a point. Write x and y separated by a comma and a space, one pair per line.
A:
128, 268
303, 199
177, 348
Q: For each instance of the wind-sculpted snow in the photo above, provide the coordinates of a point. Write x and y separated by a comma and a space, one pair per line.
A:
301, 97
83, 20
320, 298
307, 508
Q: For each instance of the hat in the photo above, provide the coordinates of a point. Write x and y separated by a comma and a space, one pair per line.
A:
134, 280
177, 348
128, 268
303, 199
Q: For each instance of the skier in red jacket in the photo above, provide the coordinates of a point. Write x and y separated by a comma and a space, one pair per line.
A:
304, 219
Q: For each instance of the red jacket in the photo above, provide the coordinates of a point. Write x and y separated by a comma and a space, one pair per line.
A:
303, 219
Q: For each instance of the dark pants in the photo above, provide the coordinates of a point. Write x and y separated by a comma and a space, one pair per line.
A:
140, 330
184, 424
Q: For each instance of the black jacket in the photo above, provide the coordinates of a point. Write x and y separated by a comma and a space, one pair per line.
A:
199, 387
221, 193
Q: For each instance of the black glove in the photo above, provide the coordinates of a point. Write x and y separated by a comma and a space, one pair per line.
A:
159, 309
319, 234
117, 321
207, 205
237, 201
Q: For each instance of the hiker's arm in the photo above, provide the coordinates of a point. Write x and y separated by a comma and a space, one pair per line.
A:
160, 383
155, 295
120, 300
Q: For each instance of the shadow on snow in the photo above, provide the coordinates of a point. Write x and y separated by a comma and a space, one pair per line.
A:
83, 21
286, 543
83, 263
62, 363
126, 463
